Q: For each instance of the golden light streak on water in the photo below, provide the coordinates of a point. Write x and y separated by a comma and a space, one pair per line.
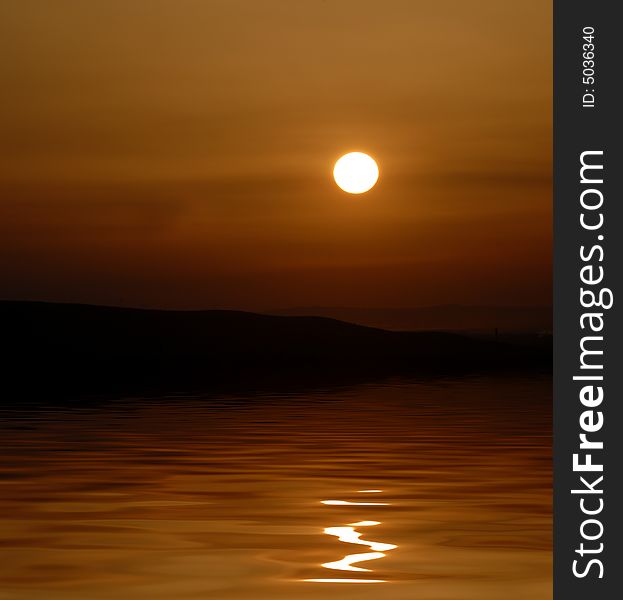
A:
349, 535
346, 503
346, 563
345, 580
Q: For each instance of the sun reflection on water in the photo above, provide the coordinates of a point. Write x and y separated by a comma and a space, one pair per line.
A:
349, 534
346, 503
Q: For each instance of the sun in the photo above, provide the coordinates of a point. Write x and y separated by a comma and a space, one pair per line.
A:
356, 172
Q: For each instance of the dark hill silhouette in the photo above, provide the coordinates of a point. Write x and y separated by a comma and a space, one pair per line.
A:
64, 343
450, 317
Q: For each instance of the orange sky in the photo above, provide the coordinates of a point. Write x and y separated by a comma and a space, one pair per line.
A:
178, 153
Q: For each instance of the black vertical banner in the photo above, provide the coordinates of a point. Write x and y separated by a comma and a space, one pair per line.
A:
588, 300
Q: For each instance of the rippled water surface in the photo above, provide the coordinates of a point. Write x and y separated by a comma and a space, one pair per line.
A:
408, 490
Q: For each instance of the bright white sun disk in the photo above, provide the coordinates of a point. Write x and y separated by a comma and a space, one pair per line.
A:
356, 172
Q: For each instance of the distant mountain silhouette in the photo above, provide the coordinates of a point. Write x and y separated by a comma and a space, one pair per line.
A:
451, 317
96, 345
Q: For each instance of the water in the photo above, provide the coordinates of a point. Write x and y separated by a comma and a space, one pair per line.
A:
431, 490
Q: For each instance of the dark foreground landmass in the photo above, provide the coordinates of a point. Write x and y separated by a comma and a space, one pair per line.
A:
71, 345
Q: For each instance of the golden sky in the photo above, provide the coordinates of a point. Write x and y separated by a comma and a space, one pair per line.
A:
178, 153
